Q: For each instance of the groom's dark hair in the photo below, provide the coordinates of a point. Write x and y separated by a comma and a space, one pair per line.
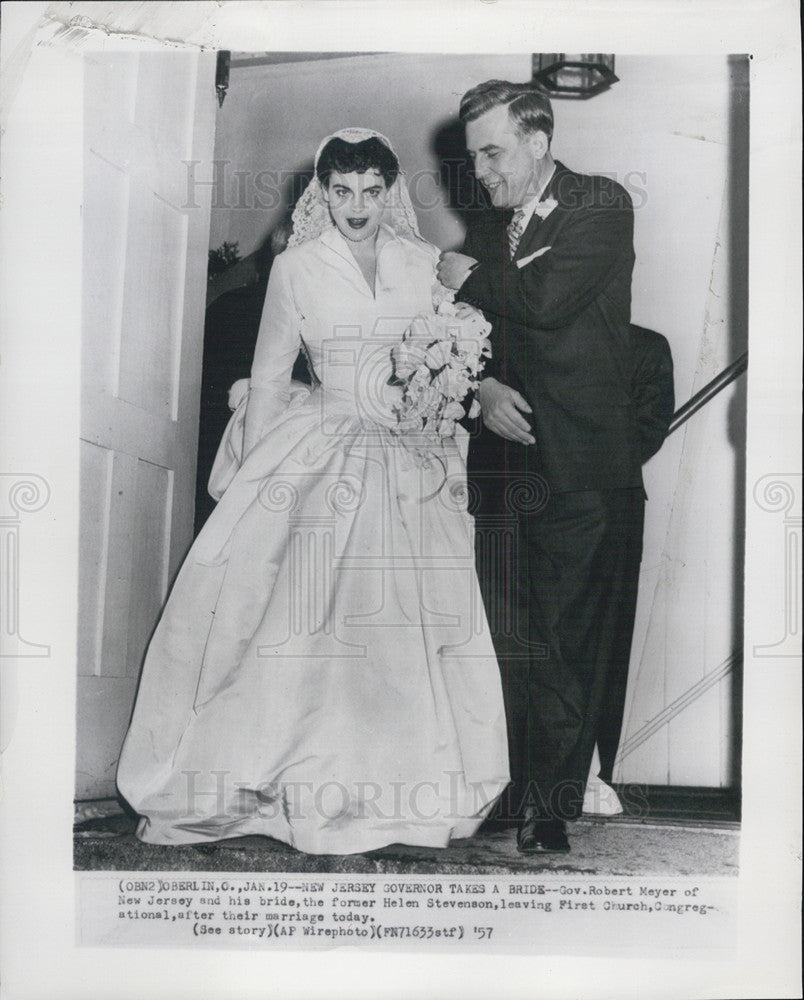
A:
529, 108
357, 157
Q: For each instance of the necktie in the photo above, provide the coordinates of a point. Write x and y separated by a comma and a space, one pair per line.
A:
515, 230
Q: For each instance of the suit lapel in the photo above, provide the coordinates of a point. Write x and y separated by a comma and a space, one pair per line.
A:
539, 232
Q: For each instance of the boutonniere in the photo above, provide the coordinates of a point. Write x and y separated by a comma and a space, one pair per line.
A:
544, 208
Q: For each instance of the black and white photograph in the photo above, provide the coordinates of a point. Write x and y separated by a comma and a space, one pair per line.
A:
334, 668
407, 543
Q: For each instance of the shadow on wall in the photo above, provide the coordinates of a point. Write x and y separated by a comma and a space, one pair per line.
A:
248, 270
464, 194
231, 325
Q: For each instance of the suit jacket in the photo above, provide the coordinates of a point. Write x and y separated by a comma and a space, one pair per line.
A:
653, 390
560, 314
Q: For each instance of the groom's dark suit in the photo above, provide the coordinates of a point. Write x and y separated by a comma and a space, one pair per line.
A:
570, 507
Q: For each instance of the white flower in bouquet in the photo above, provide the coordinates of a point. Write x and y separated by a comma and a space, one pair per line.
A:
438, 354
473, 325
438, 363
453, 411
452, 384
474, 364
474, 348
429, 400
410, 424
445, 427
409, 355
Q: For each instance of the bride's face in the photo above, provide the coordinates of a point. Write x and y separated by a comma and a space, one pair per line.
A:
356, 203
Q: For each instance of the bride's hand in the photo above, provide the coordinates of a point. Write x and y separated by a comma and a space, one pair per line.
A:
237, 392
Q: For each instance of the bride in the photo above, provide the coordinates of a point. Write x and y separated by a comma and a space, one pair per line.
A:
322, 672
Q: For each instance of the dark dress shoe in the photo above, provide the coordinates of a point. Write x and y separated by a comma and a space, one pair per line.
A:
542, 836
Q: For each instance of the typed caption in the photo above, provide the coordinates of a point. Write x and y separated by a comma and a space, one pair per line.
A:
530, 913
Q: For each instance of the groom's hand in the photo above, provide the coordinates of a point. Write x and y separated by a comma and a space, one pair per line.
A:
502, 408
453, 268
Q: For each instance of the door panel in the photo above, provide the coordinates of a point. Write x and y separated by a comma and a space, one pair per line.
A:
145, 255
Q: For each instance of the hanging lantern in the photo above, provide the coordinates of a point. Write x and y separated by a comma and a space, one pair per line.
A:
575, 76
222, 75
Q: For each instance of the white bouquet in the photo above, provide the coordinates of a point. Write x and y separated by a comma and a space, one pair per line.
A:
438, 364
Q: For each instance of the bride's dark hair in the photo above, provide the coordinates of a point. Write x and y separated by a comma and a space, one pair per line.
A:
358, 157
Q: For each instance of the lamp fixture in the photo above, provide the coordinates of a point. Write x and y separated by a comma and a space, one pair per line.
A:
573, 76
222, 75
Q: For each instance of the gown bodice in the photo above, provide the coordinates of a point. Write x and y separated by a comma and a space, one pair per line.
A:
318, 299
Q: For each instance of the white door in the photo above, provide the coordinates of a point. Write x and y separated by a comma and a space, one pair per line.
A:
146, 116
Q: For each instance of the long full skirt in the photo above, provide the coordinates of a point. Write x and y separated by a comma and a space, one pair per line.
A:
322, 672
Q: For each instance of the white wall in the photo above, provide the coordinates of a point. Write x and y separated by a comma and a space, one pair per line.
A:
273, 118
663, 131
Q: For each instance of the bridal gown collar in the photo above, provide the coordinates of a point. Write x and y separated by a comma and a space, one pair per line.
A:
386, 238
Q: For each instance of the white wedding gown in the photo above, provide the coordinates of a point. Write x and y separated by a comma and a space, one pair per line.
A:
323, 672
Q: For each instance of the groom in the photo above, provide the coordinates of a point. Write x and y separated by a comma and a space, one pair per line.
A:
550, 265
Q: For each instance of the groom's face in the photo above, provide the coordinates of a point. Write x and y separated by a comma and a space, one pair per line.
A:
506, 164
